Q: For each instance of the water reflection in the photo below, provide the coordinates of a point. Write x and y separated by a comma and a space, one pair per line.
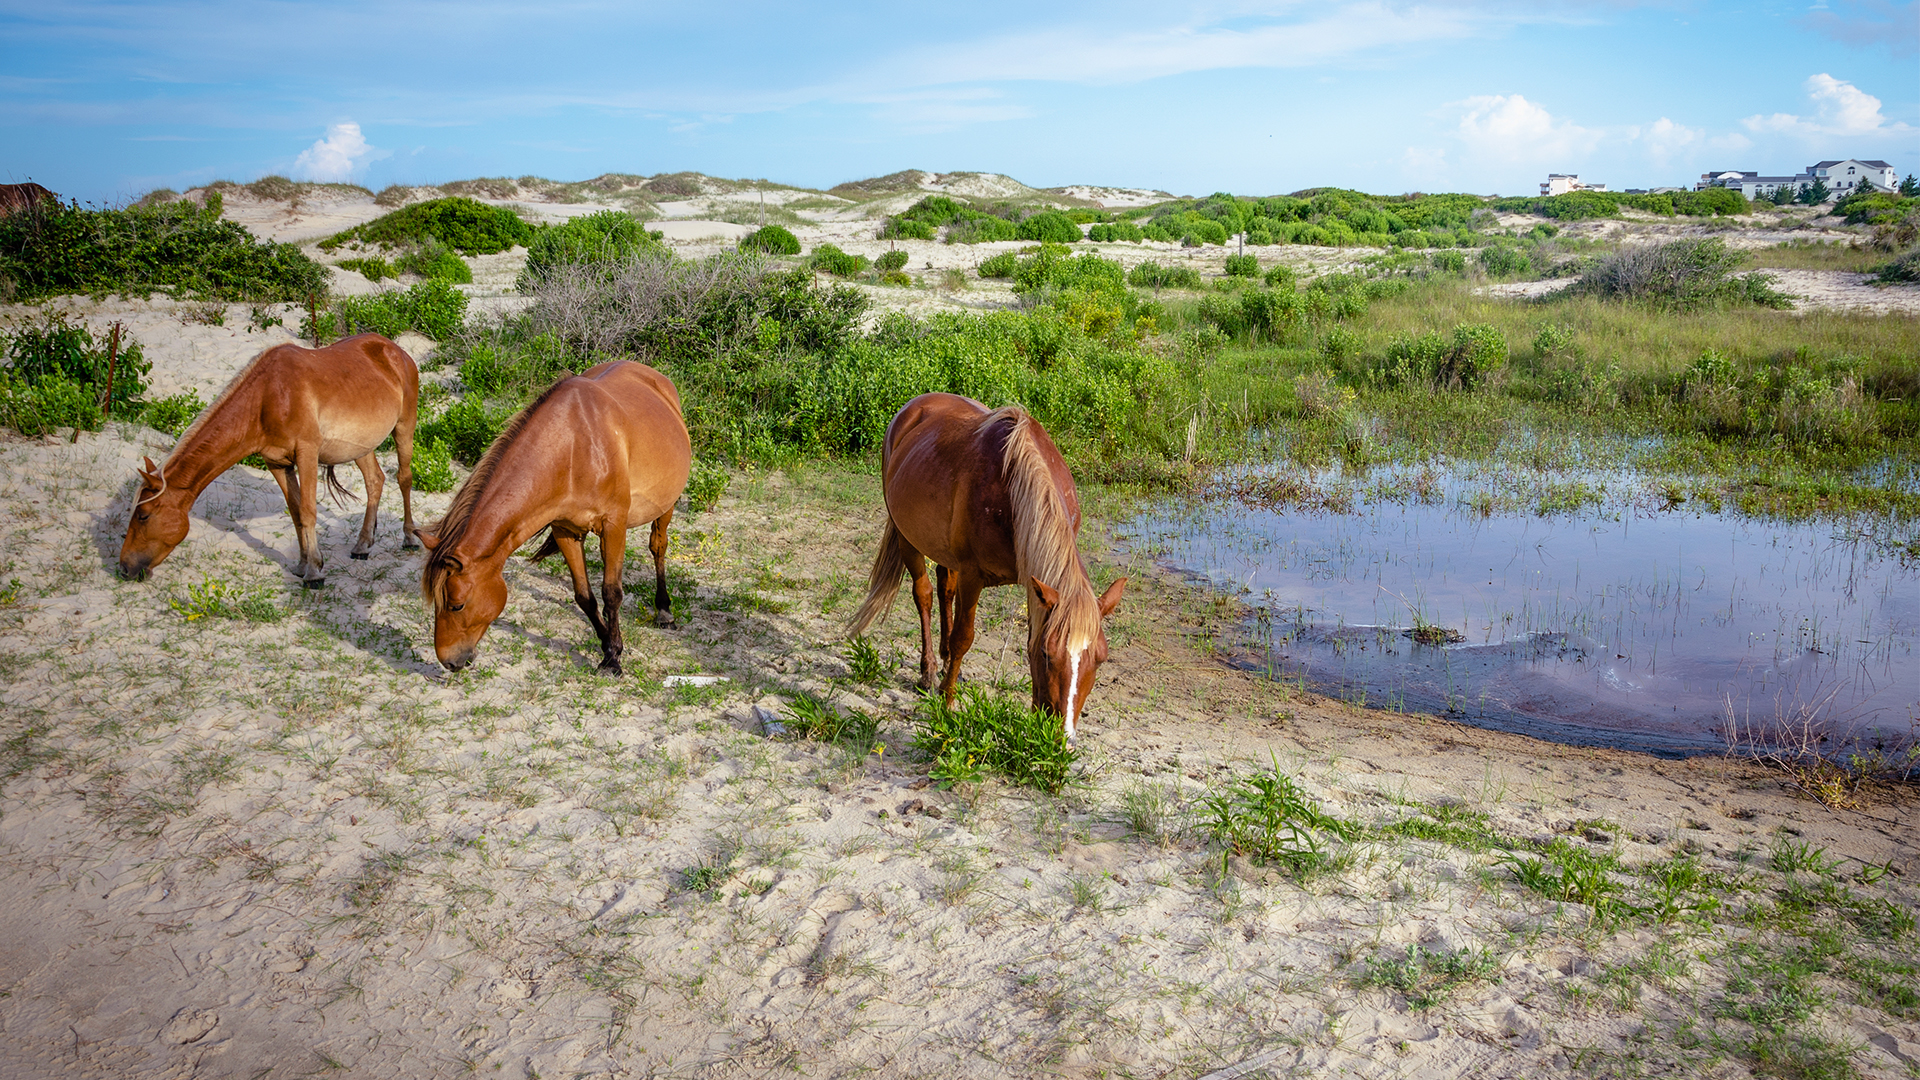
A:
1611, 626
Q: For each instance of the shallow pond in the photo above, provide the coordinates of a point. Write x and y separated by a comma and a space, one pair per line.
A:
1615, 625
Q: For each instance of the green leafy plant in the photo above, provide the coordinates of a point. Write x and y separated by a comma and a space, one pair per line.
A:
1267, 817
809, 717
1049, 227
467, 225
607, 238
983, 734
432, 466
706, 484
771, 240
1243, 266
433, 259
1429, 978
891, 260
1000, 266
864, 662
1151, 275
433, 307
220, 599
829, 259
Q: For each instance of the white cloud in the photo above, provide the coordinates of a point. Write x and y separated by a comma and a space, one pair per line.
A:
1511, 128
1842, 108
336, 157
1665, 139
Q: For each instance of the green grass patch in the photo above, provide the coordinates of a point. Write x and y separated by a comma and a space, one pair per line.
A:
984, 734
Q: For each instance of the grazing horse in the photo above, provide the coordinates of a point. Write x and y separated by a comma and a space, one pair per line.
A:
988, 498
299, 409
597, 453
17, 197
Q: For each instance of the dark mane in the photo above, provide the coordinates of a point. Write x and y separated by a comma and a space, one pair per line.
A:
453, 526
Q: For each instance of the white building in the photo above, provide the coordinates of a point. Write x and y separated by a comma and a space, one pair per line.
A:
1842, 178
1561, 183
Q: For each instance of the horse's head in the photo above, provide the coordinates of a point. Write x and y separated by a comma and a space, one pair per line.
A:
466, 597
1069, 647
158, 524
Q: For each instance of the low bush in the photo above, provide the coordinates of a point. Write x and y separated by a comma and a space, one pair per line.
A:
432, 307
1244, 266
1504, 261
41, 405
432, 259
466, 428
1679, 274
605, 238
771, 240
897, 228
467, 225
1000, 266
891, 260
1465, 360
1449, 262
177, 248
829, 259
1903, 269
1049, 227
1255, 314
374, 268
1116, 232
68, 351
432, 465
1151, 275
1279, 277
984, 229
171, 415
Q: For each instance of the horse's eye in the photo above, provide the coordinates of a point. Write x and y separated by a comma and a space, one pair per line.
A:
144, 515
455, 607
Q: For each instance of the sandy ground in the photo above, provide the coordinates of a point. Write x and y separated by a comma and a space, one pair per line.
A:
1834, 290
293, 846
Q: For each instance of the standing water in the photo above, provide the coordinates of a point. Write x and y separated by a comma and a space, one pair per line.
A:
1635, 628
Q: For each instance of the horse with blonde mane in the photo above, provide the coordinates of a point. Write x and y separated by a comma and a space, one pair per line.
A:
300, 409
597, 453
987, 497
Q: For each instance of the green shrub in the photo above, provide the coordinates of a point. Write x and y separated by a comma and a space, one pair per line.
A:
899, 279
1259, 235
467, 225
432, 466
984, 229
175, 248
705, 485
897, 228
373, 268
1156, 233
1477, 350
37, 406
1449, 262
985, 735
771, 240
432, 307
1245, 266
1116, 232
829, 259
1679, 274
67, 351
1279, 277
1339, 345
521, 368
1049, 227
466, 428
1151, 275
432, 259
1000, 266
171, 415
1872, 207
603, 239
1258, 314
1504, 261
891, 260
1268, 818
1905, 268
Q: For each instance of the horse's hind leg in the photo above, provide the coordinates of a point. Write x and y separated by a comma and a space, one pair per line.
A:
375, 480
572, 550
657, 543
944, 580
923, 600
965, 602
403, 444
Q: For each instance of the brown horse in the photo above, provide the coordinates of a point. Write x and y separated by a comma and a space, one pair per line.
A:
988, 498
597, 453
28, 196
299, 409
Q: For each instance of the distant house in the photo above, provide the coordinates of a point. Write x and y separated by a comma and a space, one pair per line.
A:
1841, 177
1846, 177
1561, 183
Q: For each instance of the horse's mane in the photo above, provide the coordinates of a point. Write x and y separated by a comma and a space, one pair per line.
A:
1042, 533
460, 512
219, 399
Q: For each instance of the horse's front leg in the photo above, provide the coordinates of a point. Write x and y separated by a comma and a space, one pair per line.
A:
573, 550
374, 480
613, 553
403, 445
657, 544
306, 520
965, 602
944, 581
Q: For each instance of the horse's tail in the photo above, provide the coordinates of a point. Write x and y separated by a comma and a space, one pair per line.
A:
339, 491
888, 565
548, 548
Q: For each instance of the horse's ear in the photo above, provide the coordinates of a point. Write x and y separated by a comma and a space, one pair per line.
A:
149, 469
427, 539
1048, 597
1111, 598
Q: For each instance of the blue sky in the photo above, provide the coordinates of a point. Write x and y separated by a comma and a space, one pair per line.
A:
106, 100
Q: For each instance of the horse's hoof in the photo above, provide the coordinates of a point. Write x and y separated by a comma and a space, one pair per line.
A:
663, 619
611, 668
360, 555
410, 545
313, 583
924, 684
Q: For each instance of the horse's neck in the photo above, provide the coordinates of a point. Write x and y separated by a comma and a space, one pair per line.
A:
505, 515
230, 432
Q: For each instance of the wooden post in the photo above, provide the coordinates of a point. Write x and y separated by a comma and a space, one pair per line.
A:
106, 399
313, 318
